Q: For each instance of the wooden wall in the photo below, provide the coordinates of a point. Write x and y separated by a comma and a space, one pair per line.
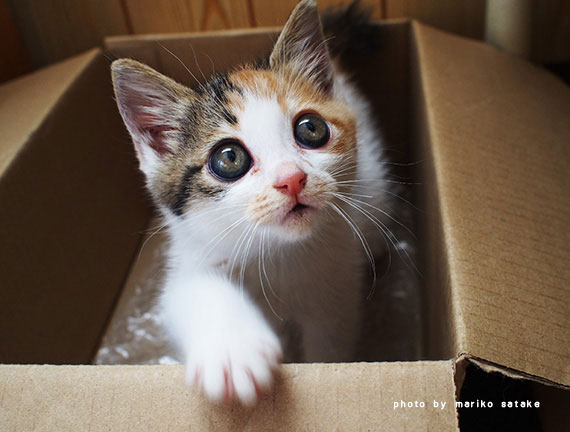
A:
45, 31
14, 59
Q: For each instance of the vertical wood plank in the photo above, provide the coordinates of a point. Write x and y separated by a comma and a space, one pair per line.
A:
172, 16
56, 29
275, 13
237, 12
396, 9
466, 17
166, 16
373, 5
271, 13
14, 58
551, 35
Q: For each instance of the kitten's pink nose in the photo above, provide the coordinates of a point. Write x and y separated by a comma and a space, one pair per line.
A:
291, 181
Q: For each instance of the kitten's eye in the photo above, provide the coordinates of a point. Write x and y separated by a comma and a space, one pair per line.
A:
230, 161
311, 131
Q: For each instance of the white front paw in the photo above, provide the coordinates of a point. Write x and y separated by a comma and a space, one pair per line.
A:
234, 362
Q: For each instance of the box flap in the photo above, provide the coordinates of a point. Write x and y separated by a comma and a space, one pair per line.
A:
190, 57
500, 133
26, 101
72, 211
347, 397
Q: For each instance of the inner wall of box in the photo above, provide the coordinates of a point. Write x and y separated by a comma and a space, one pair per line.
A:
394, 322
391, 82
438, 331
71, 208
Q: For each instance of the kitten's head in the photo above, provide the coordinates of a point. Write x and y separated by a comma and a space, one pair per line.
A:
264, 145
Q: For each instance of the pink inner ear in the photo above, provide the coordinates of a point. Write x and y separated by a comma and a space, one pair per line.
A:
157, 139
151, 126
147, 109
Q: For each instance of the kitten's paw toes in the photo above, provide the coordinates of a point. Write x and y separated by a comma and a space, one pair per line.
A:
237, 372
194, 375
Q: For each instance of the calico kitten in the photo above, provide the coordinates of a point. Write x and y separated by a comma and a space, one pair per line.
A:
267, 178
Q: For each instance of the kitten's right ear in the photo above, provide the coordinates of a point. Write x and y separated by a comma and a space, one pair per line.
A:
302, 46
152, 106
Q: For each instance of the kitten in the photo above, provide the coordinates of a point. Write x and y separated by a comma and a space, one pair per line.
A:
267, 178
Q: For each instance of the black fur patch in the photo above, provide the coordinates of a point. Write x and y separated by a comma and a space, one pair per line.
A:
220, 85
188, 186
215, 96
350, 31
185, 189
229, 117
261, 63
209, 191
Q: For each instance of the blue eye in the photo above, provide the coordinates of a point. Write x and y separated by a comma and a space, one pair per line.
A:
230, 161
311, 131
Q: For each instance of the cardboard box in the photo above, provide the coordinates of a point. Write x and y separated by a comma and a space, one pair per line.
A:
493, 133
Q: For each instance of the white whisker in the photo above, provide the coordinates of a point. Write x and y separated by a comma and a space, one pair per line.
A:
385, 214
387, 232
387, 192
160, 228
260, 266
207, 248
182, 63
360, 236
353, 194
376, 180
237, 248
196, 62
245, 255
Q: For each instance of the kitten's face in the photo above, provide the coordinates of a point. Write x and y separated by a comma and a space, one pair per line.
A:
262, 147
279, 157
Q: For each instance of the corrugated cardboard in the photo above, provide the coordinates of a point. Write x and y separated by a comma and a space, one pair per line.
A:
71, 210
154, 398
494, 137
499, 145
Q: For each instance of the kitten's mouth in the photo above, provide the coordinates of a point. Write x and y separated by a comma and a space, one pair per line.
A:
298, 212
299, 208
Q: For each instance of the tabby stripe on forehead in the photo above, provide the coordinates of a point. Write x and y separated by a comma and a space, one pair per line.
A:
220, 86
230, 118
185, 189
217, 90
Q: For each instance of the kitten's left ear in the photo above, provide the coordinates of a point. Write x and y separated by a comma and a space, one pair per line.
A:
302, 46
152, 106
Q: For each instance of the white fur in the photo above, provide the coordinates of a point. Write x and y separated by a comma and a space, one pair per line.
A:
231, 290
221, 334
